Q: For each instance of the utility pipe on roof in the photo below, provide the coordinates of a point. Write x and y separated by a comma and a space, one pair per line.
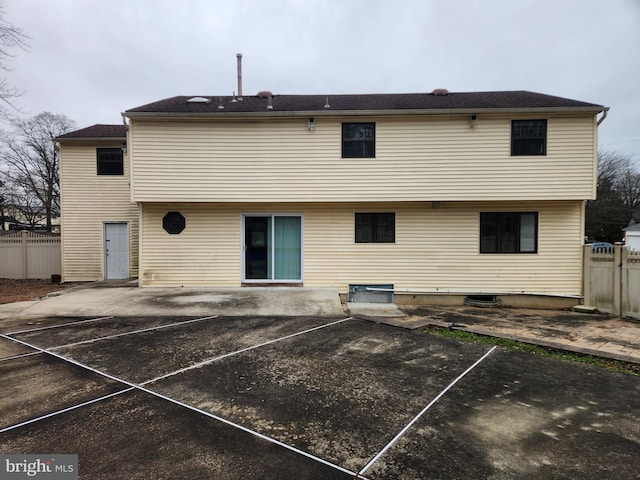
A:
239, 57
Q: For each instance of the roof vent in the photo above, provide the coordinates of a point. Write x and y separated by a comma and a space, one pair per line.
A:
265, 93
199, 100
440, 91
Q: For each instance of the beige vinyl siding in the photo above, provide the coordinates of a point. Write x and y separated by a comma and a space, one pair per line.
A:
206, 253
88, 201
435, 248
417, 158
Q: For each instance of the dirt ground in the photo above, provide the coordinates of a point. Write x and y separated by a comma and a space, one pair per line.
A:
22, 290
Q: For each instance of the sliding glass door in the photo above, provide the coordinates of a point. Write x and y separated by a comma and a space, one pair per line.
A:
272, 248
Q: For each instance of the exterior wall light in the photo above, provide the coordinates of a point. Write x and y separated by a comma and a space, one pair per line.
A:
311, 123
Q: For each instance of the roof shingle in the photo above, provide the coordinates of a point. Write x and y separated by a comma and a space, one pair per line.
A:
96, 131
362, 102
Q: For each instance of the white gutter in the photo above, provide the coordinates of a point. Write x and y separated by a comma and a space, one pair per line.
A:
329, 112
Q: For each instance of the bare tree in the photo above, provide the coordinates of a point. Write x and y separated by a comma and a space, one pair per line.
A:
629, 188
10, 200
25, 207
3, 204
11, 37
618, 197
32, 158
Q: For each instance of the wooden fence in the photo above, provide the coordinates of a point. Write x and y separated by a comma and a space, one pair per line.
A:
29, 255
612, 280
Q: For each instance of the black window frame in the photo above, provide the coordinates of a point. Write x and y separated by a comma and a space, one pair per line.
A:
375, 227
358, 147
507, 233
104, 164
528, 143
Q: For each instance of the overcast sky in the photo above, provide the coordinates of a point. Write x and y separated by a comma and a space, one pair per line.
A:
92, 59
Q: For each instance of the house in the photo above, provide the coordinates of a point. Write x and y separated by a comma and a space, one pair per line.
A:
13, 223
96, 207
438, 193
632, 237
8, 222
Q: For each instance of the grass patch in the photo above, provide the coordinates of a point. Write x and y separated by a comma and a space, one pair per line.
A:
609, 364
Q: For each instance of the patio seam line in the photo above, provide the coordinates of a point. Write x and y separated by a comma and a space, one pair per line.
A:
64, 410
22, 355
117, 335
422, 412
236, 352
189, 407
80, 322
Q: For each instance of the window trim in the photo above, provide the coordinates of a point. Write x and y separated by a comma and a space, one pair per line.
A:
102, 150
372, 140
544, 139
500, 216
374, 226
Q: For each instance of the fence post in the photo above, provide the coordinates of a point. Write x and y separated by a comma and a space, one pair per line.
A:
624, 278
25, 271
586, 274
617, 279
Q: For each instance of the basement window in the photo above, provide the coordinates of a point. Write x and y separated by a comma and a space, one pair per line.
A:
110, 161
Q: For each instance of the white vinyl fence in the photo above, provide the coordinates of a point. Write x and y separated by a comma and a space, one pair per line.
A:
29, 255
612, 280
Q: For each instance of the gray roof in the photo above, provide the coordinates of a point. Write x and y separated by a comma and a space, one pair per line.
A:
403, 102
632, 228
440, 101
98, 131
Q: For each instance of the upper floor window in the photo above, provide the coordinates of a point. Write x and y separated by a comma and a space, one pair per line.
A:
528, 137
375, 227
508, 232
110, 161
358, 140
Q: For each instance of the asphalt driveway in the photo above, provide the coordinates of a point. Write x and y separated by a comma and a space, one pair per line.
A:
305, 397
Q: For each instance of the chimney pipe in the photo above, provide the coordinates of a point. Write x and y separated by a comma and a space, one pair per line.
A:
239, 57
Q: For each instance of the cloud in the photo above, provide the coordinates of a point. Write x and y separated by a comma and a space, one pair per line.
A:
91, 59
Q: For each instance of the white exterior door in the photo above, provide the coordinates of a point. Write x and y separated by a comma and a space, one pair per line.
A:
116, 251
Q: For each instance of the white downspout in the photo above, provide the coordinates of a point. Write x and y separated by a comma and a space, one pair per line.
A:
604, 115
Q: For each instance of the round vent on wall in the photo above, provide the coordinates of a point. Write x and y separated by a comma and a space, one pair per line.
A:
174, 223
